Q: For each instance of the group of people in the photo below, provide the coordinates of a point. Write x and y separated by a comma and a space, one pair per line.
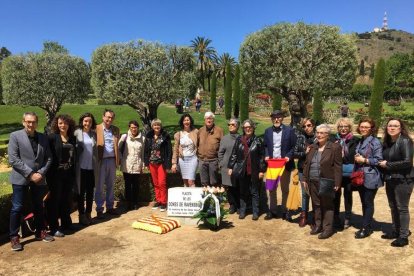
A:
86, 156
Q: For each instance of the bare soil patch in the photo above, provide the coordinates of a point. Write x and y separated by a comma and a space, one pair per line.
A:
246, 247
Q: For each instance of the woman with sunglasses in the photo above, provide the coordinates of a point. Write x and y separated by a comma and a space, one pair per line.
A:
304, 140
348, 142
226, 147
249, 152
368, 154
399, 178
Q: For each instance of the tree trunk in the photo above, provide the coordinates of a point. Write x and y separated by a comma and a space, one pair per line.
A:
146, 114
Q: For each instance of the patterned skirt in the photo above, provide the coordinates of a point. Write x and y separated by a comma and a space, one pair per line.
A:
188, 166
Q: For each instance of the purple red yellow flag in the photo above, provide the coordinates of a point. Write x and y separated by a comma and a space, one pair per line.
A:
275, 169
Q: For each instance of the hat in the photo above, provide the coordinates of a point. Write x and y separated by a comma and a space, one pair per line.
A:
277, 113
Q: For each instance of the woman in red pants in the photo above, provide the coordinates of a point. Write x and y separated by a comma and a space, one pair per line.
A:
157, 157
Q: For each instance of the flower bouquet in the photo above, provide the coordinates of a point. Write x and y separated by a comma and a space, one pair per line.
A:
212, 211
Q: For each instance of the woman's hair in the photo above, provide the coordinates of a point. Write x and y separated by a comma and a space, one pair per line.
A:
235, 121
181, 121
307, 119
404, 131
344, 121
133, 122
324, 126
156, 121
369, 121
67, 119
85, 115
251, 123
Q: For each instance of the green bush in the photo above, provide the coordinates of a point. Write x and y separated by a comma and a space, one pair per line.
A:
5, 206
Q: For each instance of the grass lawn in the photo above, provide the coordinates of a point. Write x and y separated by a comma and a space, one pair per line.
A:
10, 117
5, 187
409, 106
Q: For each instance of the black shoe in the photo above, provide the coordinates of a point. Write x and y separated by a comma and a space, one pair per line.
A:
315, 230
255, 217
242, 215
15, 244
286, 216
390, 236
400, 242
268, 216
232, 210
325, 235
363, 233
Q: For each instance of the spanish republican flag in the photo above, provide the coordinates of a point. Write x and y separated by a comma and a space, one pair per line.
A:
275, 168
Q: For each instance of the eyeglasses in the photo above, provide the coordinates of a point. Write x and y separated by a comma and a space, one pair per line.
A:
247, 127
395, 126
231, 124
364, 127
308, 125
31, 122
343, 126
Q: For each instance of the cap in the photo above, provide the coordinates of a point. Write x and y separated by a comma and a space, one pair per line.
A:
277, 113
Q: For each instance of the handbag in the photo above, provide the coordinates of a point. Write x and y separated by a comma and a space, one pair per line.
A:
239, 170
358, 178
347, 169
326, 187
358, 175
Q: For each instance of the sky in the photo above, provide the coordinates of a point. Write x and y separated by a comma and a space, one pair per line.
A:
84, 25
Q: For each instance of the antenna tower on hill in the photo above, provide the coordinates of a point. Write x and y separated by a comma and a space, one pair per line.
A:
385, 22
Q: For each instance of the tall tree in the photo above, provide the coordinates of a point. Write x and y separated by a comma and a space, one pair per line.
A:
244, 103
46, 80
143, 74
377, 95
213, 94
227, 93
4, 52
220, 64
399, 70
205, 54
296, 59
372, 71
277, 101
236, 91
54, 47
317, 114
362, 68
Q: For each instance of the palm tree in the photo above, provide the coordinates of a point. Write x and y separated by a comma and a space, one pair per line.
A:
205, 55
221, 62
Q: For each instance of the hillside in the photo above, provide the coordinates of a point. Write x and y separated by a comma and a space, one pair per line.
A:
372, 46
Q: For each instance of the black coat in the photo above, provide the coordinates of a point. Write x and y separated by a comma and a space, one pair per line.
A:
165, 150
257, 155
399, 159
56, 145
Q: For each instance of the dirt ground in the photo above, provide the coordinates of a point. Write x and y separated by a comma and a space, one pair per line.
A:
245, 247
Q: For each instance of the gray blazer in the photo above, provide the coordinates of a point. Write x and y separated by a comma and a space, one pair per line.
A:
22, 159
226, 147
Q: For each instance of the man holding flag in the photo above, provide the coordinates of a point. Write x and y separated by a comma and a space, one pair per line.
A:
279, 142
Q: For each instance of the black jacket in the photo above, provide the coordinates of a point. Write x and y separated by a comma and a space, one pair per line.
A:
166, 149
399, 159
352, 144
257, 155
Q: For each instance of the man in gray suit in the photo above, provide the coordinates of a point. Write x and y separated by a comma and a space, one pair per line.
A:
30, 158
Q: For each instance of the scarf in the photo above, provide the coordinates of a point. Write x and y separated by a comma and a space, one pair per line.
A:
246, 145
343, 141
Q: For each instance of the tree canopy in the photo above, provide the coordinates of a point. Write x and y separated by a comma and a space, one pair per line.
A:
143, 74
297, 59
46, 80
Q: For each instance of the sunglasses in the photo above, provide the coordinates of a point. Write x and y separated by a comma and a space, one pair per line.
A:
308, 125
231, 124
247, 127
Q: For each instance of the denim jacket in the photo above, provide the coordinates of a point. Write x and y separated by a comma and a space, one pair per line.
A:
371, 149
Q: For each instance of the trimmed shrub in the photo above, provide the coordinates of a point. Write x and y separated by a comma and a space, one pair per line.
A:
213, 94
377, 95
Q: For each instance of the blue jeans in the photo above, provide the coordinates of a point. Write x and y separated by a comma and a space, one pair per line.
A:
367, 199
37, 193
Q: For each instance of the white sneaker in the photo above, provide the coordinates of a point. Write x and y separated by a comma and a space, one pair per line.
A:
155, 206
163, 208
